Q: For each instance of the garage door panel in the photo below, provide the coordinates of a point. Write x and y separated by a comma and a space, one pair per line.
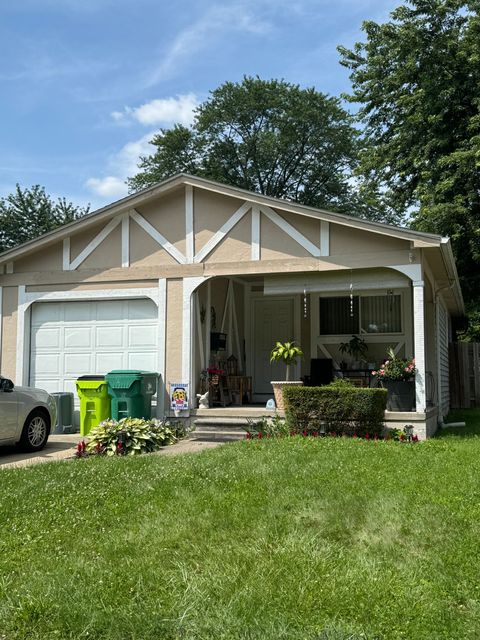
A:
78, 364
77, 311
46, 313
45, 338
111, 310
105, 362
144, 336
80, 337
70, 339
47, 364
139, 309
109, 337
142, 361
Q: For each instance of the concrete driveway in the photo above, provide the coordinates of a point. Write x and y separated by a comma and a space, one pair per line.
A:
57, 448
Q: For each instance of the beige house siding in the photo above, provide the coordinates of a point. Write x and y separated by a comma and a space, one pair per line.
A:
168, 217
145, 251
9, 332
173, 335
50, 260
348, 240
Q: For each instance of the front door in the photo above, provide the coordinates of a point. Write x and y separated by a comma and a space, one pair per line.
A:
272, 322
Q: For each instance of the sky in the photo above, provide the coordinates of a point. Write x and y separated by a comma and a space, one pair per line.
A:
85, 84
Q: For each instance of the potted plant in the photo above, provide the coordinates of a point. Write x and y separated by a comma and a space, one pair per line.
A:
397, 375
356, 348
286, 352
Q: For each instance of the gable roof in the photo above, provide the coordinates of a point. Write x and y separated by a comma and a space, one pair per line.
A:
417, 238
420, 239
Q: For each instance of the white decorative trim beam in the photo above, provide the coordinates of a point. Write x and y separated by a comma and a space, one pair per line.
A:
189, 223
22, 348
255, 232
222, 232
291, 231
161, 338
125, 240
324, 238
66, 254
93, 244
419, 344
158, 237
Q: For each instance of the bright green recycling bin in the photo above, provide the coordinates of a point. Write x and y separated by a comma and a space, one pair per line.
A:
94, 402
131, 393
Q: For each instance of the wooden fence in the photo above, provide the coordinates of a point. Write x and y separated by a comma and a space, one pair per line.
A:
464, 360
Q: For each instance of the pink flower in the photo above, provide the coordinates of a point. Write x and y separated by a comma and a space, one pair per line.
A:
374, 373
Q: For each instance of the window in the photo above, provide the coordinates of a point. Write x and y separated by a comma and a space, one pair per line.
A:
371, 314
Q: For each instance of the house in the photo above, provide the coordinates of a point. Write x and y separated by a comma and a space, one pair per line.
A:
142, 283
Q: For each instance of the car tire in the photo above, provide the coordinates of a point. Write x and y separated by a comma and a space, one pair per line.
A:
35, 431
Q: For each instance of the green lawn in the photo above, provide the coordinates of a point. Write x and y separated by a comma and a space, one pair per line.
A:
330, 539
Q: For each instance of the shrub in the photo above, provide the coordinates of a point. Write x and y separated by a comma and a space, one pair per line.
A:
267, 427
129, 436
339, 407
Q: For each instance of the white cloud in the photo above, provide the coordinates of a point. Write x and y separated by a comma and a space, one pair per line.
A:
219, 21
108, 187
121, 165
166, 111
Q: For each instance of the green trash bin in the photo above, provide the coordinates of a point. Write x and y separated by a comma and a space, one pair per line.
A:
94, 402
131, 393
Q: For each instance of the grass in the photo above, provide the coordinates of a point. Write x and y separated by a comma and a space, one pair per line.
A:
295, 539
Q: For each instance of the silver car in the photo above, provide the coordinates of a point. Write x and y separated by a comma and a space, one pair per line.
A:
26, 416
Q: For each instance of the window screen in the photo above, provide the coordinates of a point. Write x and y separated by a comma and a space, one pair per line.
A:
381, 314
336, 318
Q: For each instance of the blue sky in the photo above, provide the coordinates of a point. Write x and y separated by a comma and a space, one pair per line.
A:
84, 84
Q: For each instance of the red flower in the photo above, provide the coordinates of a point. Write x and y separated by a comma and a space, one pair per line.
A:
248, 435
367, 437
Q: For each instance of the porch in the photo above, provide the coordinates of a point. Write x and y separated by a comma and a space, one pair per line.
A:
321, 312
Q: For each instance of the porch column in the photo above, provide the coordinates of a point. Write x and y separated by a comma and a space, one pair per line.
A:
419, 343
189, 286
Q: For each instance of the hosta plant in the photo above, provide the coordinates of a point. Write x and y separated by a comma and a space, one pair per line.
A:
130, 436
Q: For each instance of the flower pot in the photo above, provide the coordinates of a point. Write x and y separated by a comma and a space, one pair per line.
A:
401, 395
278, 387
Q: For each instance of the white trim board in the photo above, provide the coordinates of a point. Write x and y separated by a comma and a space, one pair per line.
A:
222, 232
158, 237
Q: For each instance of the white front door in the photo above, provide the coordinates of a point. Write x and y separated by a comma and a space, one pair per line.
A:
272, 322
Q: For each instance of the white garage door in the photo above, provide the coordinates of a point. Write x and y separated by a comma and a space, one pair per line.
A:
71, 339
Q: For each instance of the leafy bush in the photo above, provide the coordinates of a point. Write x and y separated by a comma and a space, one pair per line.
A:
267, 427
339, 407
130, 436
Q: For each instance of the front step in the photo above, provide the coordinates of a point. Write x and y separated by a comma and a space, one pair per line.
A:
217, 428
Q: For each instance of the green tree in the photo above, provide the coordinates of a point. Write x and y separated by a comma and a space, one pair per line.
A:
267, 136
28, 213
417, 80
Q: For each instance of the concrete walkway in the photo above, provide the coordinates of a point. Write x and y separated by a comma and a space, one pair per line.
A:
61, 447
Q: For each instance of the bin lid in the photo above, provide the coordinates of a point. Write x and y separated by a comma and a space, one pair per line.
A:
92, 377
131, 372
